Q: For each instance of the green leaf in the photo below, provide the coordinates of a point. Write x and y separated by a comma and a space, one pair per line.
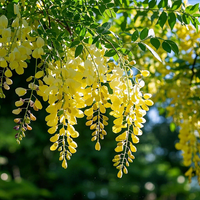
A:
152, 3
96, 11
176, 5
123, 25
144, 33
166, 47
179, 17
155, 42
95, 39
194, 8
135, 35
106, 25
102, 8
153, 52
162, 19
188, 9
196, 24
195, 98
110, 5
173, 46
172, 127
196, 15
74, 43
171, 20
162, 4
110, 53
186, 18
82, 33
142, 46
78, 50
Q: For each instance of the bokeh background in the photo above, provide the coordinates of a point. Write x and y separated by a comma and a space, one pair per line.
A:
30, 171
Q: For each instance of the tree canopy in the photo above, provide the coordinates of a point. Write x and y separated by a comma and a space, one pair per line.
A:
107, 61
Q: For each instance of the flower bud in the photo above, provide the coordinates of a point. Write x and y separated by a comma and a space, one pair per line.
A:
16, 128
3, 21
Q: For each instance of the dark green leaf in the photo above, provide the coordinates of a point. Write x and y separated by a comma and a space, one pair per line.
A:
96, 11
195, 98
123, 25
166, 47
142, 46
110, 5
179, 17
155, 42
106, 25
171, 20
173, 46
144, 33
106, 1
78, 50
110, 53
152, 3
162, 19
135, 36
95, 39
102, 8
196, 24
176, 5
186, 18
153, 52
162, 4
188, 9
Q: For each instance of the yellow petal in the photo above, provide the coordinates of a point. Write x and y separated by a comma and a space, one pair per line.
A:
73, 144
52, 129
119, 174
20, 91
71, 149
8, 73
54, 146
145, 73
97, 146
149, 102
121, 137
38, 104
135, 139
125, 170
39, 74
119, 148
89, 112
54, 138
64, 164
17, 111
102, 108
132, 147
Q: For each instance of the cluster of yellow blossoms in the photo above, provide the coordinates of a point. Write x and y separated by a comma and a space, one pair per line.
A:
181, 85
185, 103
16, 47
74, 88
76, 84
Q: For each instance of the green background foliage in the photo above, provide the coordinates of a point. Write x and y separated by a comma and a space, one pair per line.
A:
31, 171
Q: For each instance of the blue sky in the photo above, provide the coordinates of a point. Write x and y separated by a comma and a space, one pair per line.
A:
193, 1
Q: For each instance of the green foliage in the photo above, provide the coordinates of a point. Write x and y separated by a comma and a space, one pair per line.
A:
111, 26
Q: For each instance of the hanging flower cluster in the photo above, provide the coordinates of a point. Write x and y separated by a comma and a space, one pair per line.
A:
86, 85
